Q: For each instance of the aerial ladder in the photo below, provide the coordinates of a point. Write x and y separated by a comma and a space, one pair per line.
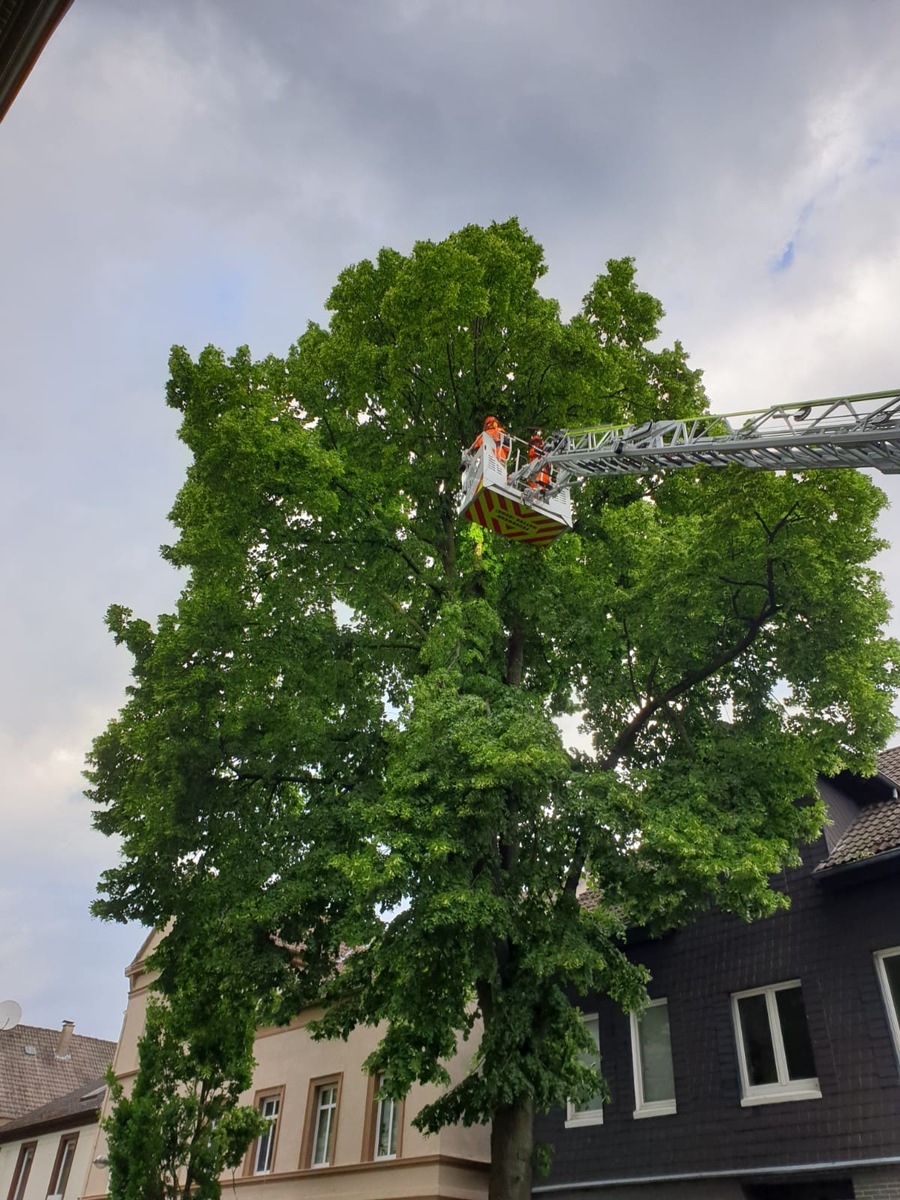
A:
527, 496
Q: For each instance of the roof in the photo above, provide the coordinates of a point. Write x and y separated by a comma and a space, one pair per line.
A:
31, 1075
25, 29
889, 764
78, 1107
876, 830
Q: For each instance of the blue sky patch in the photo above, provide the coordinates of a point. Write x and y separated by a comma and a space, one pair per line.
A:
786, 257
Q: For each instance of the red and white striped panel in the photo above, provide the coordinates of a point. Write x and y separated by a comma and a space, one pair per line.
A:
511, 519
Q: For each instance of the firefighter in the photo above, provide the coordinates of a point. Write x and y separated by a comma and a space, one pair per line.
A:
535, 450
495, 431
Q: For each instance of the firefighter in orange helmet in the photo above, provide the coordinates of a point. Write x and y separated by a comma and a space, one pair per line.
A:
495, 431
535, 450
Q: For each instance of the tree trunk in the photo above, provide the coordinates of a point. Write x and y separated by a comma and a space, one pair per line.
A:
511, 1145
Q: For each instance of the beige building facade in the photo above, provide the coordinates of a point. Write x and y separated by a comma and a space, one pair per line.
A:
45, 1155
329, 1136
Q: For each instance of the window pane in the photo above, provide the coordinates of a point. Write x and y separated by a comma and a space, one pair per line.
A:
23, 1170
64, 1166
265, 1145
892, 970
757, 1037
324, 1116
264, 1152
657, 1077
795, 1034
591, 1059
386, 1145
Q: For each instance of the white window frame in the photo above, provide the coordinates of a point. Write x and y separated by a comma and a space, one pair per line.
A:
391, 1108
786, 1088
890, 1005
266, 1141
574, 1118
642, 1107
321, 1110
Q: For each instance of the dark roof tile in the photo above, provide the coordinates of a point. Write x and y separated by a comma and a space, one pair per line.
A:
875, 831
31, 1075
889, 764
85, 1100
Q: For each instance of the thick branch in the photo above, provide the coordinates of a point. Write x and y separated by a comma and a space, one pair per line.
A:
624, 743
515, 654
401, 611
629, 735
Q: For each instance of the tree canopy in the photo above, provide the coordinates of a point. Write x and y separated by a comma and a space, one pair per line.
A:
348, 735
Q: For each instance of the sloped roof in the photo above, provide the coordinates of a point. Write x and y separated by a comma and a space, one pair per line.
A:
875, 831
889, 764
76, 1107
31, 1075
877, 828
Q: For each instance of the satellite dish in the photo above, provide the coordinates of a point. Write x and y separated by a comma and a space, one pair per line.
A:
10, 1014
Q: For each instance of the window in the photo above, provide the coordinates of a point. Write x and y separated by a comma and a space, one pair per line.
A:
383, 1129
590, 1112
887, 964
321, 1124
387, 1121
22, 1171
774, 1051
651, 1052
263, 1151
63, 1165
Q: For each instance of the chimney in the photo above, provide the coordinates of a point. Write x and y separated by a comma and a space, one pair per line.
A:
65, 1038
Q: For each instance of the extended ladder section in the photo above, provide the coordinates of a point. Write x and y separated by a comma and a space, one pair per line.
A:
848, 431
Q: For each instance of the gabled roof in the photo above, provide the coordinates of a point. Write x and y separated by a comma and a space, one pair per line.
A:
32, 1075
78, 1107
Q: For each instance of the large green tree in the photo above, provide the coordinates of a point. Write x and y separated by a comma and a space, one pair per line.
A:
349, 732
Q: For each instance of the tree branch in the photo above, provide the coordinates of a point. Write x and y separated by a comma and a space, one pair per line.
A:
624, 743
629, 735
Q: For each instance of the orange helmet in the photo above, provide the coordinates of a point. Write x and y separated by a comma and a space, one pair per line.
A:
490, 422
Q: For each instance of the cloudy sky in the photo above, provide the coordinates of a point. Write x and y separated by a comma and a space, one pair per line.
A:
193, 172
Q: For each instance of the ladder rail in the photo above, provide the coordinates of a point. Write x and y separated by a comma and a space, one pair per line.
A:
846, 431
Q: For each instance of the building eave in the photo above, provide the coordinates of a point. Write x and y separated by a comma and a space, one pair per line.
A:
24, 1129
25, 28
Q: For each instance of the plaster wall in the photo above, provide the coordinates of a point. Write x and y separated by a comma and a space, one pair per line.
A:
290, 1062
44, 1160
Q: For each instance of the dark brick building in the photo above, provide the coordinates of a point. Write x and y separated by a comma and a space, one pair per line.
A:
769, 1066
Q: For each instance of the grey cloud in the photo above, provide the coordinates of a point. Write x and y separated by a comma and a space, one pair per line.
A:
192, 172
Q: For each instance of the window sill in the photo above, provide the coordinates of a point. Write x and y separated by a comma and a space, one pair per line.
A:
655, 1110
782, 1096
577, 1122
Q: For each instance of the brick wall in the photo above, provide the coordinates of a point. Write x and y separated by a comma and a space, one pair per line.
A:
826, 940
877, 1184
